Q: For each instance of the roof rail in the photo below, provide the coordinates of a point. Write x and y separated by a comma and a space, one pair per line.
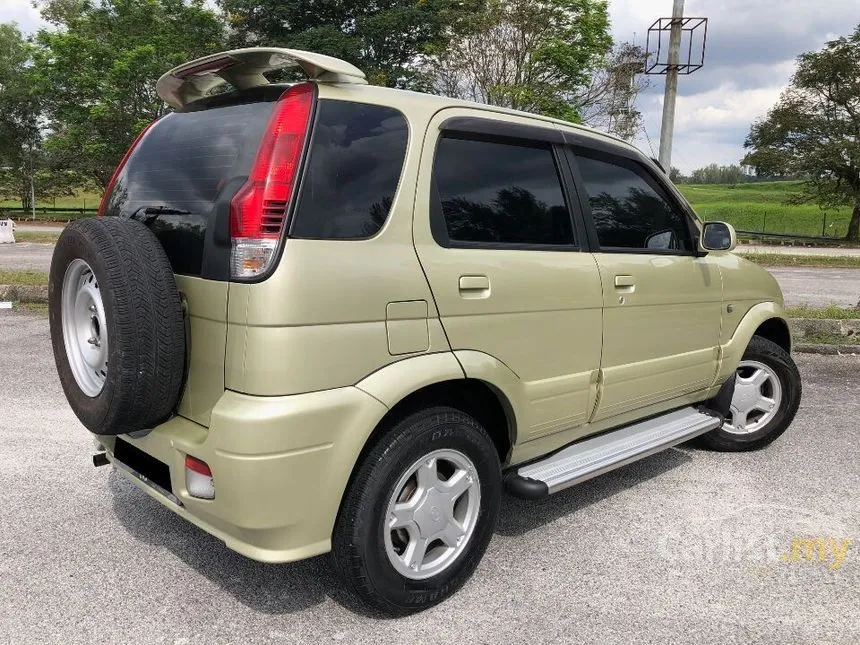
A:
244, 69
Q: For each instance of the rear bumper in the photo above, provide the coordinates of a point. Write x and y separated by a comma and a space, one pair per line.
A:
280, 465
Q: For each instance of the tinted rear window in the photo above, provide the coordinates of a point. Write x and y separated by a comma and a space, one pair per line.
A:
184, 162
356, 157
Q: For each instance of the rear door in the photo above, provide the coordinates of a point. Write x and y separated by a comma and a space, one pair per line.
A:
189, 164
499, 240
662, 302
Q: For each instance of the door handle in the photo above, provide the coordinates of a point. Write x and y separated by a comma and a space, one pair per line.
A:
625, 281
474, 286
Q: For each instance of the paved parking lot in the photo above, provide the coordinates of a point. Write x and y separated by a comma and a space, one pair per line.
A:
685, 547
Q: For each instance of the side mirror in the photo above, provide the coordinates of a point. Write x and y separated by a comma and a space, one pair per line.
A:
718, 236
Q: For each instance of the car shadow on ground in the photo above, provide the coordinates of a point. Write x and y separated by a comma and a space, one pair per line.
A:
289, 588
519, 516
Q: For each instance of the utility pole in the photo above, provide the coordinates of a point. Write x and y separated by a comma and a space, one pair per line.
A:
667, 130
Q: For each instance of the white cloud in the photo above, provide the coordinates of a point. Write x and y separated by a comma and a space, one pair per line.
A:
724, 107
23, 13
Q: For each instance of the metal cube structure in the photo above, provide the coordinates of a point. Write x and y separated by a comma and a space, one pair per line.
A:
694, 31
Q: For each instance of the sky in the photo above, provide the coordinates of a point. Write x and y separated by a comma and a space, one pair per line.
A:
751, 49
749, 59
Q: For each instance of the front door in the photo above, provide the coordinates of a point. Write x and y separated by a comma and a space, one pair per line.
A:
661, 300
496, 234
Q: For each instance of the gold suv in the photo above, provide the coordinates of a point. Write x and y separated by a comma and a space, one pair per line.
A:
327, 316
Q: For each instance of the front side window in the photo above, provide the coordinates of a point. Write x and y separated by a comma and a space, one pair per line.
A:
630, 211
500, 193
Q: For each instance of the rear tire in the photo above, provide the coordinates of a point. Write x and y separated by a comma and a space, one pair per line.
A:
117, 327
769, 363
378, 562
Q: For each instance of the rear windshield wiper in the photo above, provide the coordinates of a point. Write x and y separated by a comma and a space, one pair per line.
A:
147, 214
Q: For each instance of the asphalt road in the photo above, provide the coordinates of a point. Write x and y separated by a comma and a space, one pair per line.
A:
818, 287
684, 546
26, 256
800, 285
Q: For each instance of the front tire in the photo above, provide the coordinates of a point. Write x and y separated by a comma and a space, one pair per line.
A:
766, 398
420, 511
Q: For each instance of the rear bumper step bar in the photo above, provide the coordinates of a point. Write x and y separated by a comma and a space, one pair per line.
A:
591, 457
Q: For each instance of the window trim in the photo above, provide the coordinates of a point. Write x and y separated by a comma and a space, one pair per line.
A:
573, 152
438, 226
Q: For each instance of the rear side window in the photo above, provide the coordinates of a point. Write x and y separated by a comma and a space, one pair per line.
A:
499, 193
629, 209
183, 164
356, 157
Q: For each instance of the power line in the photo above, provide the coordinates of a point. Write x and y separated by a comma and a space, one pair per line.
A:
648, 139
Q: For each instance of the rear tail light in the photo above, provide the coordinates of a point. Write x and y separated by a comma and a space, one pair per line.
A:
258, 211
112, 182
198, 478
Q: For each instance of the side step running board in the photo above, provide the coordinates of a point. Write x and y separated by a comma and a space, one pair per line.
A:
591, 457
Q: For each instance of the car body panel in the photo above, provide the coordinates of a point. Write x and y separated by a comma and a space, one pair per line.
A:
280, 466
660, 334
206, 318
540, 314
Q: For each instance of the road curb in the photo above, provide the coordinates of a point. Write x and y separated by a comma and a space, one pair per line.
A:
827, 350
804, 327
28, 293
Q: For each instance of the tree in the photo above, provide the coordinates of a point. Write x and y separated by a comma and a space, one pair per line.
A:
716, 174
97, 72
20, 136
533, 55
676, 176
386, 39
814, 129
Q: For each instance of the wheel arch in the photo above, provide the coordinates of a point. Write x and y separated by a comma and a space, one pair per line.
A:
436, 379
775, 330
439, 379
766, 319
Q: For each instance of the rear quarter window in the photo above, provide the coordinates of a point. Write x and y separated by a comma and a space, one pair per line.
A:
353, 169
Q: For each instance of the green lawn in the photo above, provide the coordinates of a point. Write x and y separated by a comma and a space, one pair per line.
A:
761, 206
23, 277
832, 312
43, 237
784, 260
81, 200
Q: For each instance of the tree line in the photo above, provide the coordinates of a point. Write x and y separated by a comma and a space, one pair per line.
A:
74, 95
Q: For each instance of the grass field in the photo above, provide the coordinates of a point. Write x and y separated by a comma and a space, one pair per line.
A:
40, 237
762, 206
757, 206
82, 200
23, 277
833, 312
785, 260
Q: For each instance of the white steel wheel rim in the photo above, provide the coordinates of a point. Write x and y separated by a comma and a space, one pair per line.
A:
757, 398
84, 327
432, 514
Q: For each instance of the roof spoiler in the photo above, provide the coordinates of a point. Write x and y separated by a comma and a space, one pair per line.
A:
244, 69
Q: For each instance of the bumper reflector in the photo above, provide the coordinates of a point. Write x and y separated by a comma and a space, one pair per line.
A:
198, 478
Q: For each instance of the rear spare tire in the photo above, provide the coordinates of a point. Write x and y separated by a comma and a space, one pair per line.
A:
116, 325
